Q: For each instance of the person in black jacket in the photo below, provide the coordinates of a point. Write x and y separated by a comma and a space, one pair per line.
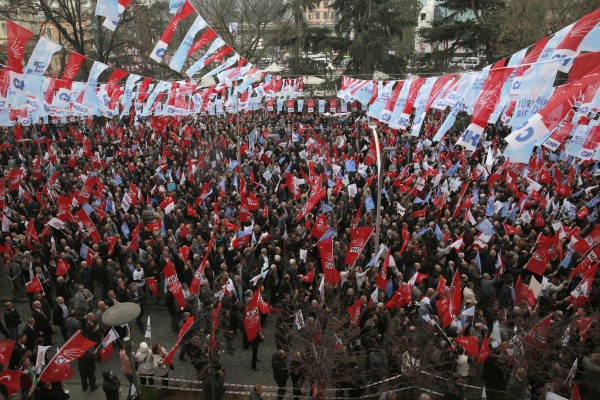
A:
111, 385
280, 372
42, 323
47, 391
31, 332
12, 319
297, 373
59, 314
213, 383
87, 370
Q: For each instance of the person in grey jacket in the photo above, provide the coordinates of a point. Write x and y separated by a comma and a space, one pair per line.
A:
517, 388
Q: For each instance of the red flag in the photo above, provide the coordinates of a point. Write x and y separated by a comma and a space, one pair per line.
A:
185, 252
583, 292
112, 241
89, 226
332, 275
524, 293
34, 286
59, 369
441, 289
290, 183
191, 212
16, 40
382, 277
174, 284
185, 327
195, 284
10, 378
359, 240
321, 226
252, 321
87, 189
309, 277
511, 230
420, 213
371, 154
62, 267
152, 285
73, 65
405, 238
312, 202
354, 311
401, 297
539, 334
484, 351
575, 395
6, 348
356, 217
14, 179
252, 202
105, 352
469, 343
455, 294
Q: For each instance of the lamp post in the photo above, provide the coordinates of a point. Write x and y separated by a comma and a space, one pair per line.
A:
120, 314
373, 127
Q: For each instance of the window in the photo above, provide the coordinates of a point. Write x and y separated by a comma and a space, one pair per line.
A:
49, 33
423, 16
317, 15
310, 16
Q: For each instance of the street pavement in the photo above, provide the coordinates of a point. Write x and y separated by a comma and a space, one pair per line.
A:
236, 365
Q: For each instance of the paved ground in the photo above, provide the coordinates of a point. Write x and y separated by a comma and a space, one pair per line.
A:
236, 365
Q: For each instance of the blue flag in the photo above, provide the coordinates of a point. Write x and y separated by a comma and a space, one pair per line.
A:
125, 230
452, 170
489, 209
325, 208
438, 232
567, 260
350, 166
486, 227
478, 261
330, 232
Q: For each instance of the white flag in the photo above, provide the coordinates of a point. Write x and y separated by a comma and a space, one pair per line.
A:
41, 358
132, 391
483, 394
299, 320
111, 336
495, 339
148, 333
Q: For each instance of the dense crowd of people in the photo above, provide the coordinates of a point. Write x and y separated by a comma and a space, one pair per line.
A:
206, 192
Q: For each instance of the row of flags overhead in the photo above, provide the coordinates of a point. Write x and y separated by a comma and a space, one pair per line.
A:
518, 90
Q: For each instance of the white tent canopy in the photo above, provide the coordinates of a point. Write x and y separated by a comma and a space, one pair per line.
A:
313, 80
273, 68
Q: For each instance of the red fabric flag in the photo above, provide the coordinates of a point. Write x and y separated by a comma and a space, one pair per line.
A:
202, 41
14, 179
153, 285
174, 284
191, 212
321, 226
89, 226
10, 378
455, 294
252, 320
87, 189
469, 343
371, 156
484, 351
575, 395
59, 368
511, 230
290, 183
72, 67
309, 277
359, 240
185, 252
62, 267
401, 297
16, 40
195, 284
105, 352
312, 202
583, 292
382, 277
539, 334
332, 275
354, 311
405, 238
34, 286
441, 289
6, 348
420, 213
184, 328
443, 306
112, 241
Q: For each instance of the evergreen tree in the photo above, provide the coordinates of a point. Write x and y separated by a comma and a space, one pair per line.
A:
372, 29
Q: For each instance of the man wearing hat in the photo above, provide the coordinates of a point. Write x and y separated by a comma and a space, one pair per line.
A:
111, 386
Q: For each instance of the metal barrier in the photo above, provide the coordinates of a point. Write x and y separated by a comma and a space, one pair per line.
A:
389, 384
